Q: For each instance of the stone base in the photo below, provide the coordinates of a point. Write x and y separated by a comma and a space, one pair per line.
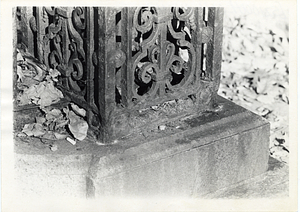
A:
194, 156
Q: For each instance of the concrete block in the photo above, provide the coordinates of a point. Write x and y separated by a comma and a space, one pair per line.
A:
207, 152
49, 175
216, 151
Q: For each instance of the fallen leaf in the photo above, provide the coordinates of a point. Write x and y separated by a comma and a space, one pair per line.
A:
19, 56
34, 129
36, 66
60, 136
48, 94
26, 83
79, 111
38, 130
52, 114
40, 120
23, 99
27, 129
77, 126
61, 123
31, 80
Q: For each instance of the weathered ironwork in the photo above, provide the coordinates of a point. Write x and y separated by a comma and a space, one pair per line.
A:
117, 63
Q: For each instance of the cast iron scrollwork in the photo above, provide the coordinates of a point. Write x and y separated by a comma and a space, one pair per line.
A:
63, 44
145, 34
164, 54
159, 63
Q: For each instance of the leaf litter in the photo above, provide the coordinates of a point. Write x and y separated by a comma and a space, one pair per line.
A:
35, 82
255, 69
36, 85
56, 124
255, 72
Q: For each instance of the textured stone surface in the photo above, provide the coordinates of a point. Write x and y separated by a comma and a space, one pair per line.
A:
210, 155
197, 171
193, 156
51, 175
272, 184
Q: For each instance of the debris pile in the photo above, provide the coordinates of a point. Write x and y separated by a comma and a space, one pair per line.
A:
67, 123
36, 85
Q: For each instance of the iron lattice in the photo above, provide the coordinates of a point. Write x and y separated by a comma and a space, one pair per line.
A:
117, 62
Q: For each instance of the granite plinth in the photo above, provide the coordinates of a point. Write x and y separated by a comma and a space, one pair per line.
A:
192, 156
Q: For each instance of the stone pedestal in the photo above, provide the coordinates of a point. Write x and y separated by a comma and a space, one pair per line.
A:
193, 156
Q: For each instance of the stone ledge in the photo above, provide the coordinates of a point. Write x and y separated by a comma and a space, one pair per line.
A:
198, 162
273, 184
209, 152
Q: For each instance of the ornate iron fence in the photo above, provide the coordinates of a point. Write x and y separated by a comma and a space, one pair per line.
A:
119, 62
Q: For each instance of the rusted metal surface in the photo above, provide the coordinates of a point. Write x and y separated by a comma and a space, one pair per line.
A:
117, 62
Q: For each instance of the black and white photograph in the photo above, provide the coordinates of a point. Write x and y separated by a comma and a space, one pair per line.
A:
167, 107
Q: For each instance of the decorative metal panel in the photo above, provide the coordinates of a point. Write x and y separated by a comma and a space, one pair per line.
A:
116, 62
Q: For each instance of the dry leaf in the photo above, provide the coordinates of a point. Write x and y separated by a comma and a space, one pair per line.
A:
60, 136
61, 123
38, 130
27, 129
77, 126
40, 120
48, 94
52, 114
43, 94
19, 56
31, 74
34, 129
23, 99
77, 110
